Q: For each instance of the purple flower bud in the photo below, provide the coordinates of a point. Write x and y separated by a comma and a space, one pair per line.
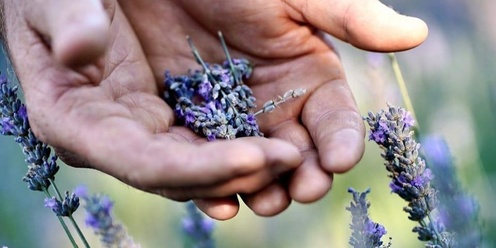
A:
188, 225
423, 179
189, 117
378, 136
205, 88
408, 120
23, 113
375, 230
6, 126
51, 203
92, 221
81, 191
106, 204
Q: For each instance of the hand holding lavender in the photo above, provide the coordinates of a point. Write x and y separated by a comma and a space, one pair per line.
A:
111, 117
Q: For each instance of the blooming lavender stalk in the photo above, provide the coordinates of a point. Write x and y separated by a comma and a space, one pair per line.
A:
42, 166
99, 217
458, 211
390, 129
365, 232
63, 208
215, 102
198, 228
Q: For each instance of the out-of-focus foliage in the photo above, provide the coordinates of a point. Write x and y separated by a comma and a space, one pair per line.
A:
452, 83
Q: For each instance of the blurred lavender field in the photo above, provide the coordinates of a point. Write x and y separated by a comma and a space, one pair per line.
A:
452, 82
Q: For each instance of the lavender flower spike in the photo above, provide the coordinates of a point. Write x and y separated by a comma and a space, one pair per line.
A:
198, 228
365, 232
63, 208
390, 129
14, 122
99, 217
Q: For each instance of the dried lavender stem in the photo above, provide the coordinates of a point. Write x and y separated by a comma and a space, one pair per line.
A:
198, 58
270, 105
208, 72
228, 57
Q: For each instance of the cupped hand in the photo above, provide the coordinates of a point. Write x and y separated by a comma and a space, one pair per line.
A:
284, 41
91, 93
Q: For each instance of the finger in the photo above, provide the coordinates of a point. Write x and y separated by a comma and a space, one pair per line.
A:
369, 25
309, 182
219, 208
244, 184
77, 30
152, 161
269, 201
331, 116
278, 160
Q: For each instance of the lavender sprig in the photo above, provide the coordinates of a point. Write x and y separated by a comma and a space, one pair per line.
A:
365, 232
14, 122
100, 218
198, 228
63, 208
390, 129
215, 102
42, 166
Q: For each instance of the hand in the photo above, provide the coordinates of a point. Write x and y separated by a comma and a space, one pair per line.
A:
90, 93
282, 38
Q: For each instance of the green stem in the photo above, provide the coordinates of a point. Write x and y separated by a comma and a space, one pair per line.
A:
56, 190
402, 85
64, 226
80, 233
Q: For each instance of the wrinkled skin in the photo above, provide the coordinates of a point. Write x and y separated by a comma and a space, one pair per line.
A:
92, 75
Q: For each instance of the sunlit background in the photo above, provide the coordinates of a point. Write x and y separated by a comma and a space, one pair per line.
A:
452, 82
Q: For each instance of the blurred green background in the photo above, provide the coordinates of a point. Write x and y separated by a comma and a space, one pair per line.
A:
452, 82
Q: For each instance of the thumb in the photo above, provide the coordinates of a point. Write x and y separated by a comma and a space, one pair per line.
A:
366, 24
77, 31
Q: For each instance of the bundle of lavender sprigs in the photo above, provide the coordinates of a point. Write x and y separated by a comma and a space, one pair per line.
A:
215, 102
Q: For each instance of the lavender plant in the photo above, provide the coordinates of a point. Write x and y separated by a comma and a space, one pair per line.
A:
365, 232
42, 165
390, 129
198, 229
100, 218
215, 102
